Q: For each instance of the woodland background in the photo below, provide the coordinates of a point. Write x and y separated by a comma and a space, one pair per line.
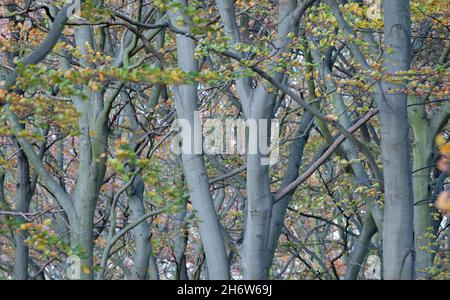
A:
89, 93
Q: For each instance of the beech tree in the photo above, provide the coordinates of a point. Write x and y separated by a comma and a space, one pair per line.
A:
221, 139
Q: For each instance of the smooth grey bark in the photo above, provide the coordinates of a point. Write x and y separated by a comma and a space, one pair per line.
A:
181, 240
424, 129
22, 203
194, 164
153, 271
425, 226
141, 233
213, 243
135, 194
79, 207
258, 208
422, 147
361, 248
258, 104
375, 211
181, 237
350, 149
33, 58
398, 233
92, 163
93, 123
293, 165
90, 177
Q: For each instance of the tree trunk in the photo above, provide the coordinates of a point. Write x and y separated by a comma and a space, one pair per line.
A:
257, 222
293, 166
361, 248
255, 254
90, 178
82, 244
194, 164
213, 243
181, 240
141, 233
424, 225
398, 233
22, 201
351, 151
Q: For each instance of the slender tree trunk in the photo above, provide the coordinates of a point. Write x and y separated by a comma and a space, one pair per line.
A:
153, 271
213, 243
293, 166
194, 164
351, 151
361, 248
3, 204
135, 193
181, 240
141, 233
22, 202
424, 224
398, 233
90, 179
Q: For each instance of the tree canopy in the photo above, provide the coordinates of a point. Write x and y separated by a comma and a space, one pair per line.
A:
321, 152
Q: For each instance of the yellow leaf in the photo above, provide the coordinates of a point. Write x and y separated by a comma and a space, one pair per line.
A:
86, 270
440, 140
40, 246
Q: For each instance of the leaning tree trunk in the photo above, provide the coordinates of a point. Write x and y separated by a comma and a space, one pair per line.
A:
361, 248
293, 165
398, 233
194, 164
258, 105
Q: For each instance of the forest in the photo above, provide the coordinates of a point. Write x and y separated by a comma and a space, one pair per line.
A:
224, 140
